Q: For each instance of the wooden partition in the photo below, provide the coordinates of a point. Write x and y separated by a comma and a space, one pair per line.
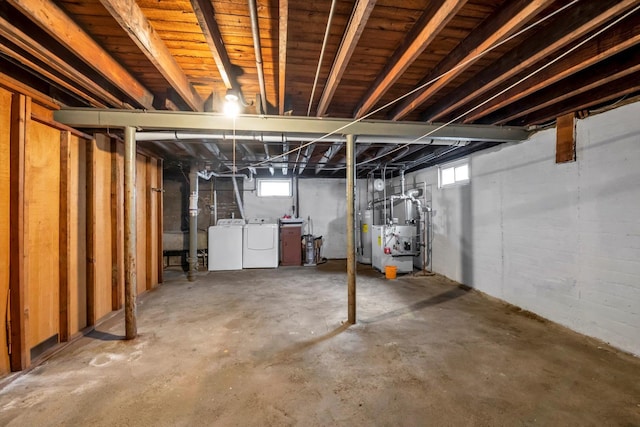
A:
5, 126
61, 229
42, 225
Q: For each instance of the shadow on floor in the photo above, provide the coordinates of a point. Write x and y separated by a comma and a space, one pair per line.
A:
431, 301
304, 345
105, 336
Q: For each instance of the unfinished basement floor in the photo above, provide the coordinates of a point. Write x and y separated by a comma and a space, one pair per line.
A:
268, 348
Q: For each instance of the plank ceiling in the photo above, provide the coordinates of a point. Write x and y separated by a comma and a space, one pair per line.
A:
491, 62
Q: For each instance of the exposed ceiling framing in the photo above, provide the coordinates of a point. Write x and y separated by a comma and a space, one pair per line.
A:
501, 64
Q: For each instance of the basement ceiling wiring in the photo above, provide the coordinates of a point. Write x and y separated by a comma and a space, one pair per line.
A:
430, 82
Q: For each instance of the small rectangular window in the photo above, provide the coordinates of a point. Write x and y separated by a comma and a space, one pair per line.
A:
457, 173
462, 172
274, 187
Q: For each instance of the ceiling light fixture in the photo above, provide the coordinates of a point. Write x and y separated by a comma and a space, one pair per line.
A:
231, 103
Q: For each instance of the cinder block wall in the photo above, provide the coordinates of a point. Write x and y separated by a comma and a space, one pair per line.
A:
560, 240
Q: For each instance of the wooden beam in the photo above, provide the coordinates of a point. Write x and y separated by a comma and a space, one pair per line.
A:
355, 27
495, 29
148, 221
38, 51
117, 236
611, 92
56, 23
131, 18
435, 18
40, 98
619, 67
578, 21
616, 40
160, 225
282, 53
91, 232
351, 223
56, 125
24, 60
65, 237
19, 330
566, 138
205, 14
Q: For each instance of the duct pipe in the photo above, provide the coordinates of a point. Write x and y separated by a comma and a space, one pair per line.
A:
130, 285
208, 174
283, 137
193, 223
351, 224
255, 31
238, 198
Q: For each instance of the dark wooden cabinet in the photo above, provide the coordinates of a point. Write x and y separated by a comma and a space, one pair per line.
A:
290, 245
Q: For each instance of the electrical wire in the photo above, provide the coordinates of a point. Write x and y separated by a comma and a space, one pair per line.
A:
419, 88
324, 46
528, 76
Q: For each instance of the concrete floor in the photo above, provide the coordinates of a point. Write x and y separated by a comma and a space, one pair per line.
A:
267, 347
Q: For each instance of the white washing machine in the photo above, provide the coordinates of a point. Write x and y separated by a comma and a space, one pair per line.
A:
225, 245
261, 242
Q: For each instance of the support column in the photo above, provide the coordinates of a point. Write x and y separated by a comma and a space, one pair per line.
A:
193, 223
130, 286
351, 244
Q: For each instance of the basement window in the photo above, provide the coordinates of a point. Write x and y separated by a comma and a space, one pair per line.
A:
274, 187
451, 174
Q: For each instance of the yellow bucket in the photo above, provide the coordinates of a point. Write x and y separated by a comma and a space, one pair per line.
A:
390, 271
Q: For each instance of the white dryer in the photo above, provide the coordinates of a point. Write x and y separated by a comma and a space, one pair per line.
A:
225, 245
261, 242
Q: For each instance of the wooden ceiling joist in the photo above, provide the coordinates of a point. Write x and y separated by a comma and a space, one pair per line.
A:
425, 31
613, 93
579, 20
611, 43
56, 23
591, 78
206, 18
357, 23
131, 18
53, 78
95, 94
492, 31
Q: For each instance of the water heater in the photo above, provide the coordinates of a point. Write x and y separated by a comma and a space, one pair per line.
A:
366, 221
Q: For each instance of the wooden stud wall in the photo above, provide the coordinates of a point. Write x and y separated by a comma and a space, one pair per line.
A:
77, 234
5, 126
141, 220
61, 229
151, 223
18, 279
41, 200
117, 221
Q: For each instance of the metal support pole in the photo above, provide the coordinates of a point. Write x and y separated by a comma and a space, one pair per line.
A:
351, 244
130, 323
193, 223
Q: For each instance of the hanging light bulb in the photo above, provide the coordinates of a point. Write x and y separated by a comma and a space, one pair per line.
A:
231, 103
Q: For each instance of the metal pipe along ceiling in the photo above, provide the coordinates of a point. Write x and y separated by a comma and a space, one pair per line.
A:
289, 137
255, 31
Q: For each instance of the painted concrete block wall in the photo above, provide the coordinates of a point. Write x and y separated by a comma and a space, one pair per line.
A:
324, 200
560, 240
265, 207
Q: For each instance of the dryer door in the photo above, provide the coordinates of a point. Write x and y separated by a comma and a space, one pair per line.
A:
260, 238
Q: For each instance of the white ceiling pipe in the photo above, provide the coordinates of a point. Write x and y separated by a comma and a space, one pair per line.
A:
194, 136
